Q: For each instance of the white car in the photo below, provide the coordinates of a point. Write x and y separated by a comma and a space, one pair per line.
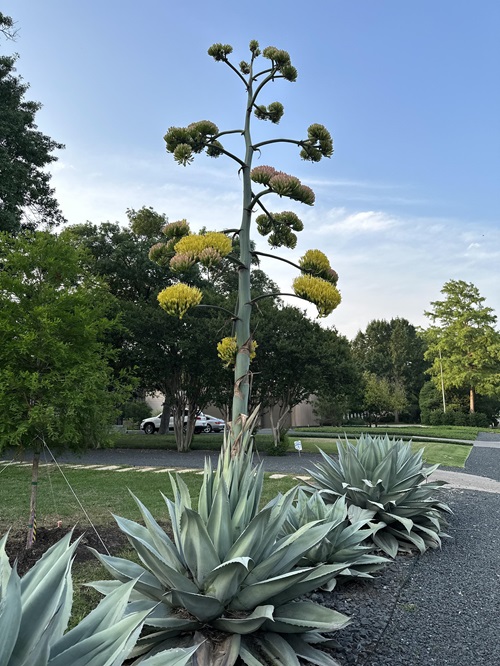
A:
214, 424
152, 424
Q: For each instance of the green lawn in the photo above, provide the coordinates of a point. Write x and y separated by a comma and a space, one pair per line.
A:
446, 454
400, 432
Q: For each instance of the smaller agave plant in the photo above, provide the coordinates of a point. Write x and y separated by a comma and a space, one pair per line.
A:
389, 483
227, 582
35, 610
347, 543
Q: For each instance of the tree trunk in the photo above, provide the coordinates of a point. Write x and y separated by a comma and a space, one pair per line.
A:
472, 396
165, 420
34, 487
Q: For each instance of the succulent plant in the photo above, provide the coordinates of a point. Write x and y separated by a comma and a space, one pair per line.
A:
227, 579
381, 479
347, 543
35, 610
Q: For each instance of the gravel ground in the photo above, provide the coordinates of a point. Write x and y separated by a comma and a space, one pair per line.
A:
439, 609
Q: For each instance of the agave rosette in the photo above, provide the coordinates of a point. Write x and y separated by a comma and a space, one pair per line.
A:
347, 543
226, 570
35, 610
383, 480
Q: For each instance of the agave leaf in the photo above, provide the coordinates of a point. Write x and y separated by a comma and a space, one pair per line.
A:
245, 625
315, 579
219, 522
125, 570
405, 522
289, 551
223, 653
44, 591
162, 542
10, 612
5, 567
309, 653
260, 593
405, 537
197, 547
275, 649
104, 648
251, 540
201, 606
110, 610
386, 542
167, 576
172, 657
301, 616
181, 492
225, 580
247, 656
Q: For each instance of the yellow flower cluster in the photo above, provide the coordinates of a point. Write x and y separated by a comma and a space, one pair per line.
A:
315, 260
323, 294
227, 349
194, 244
177, 299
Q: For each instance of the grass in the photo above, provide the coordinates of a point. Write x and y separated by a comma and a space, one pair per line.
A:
101, 493
401, 432
446, 454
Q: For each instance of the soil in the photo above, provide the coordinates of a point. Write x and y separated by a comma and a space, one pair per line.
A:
111, 535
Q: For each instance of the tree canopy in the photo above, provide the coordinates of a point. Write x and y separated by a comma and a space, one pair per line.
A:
463, 343
26, 197
56, 385
393, 350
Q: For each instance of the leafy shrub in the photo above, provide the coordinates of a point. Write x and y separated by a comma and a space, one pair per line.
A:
478, 420
136, 411
271, 449
227, 578
386, 479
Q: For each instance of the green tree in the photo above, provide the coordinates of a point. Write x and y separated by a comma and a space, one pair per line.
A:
288, 365
393, 350
26, 197
182, 249
381, 396
56, 386
463, 345
341, 382
177, 359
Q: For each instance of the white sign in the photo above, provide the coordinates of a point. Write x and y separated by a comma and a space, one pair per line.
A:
298, 445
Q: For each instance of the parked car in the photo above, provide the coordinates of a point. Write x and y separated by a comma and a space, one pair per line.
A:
214, 424
152, 424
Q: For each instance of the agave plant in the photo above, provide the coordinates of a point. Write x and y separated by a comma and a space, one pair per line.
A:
35, 610
388, 483
227, 578
347, 543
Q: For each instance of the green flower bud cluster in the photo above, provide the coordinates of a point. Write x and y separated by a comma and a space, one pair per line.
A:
254, 48
244, 67
280, 226
177, 299
160, 254
274, 112
182, 142
281, 61
318, 144
323, 294
220, 51
316, 263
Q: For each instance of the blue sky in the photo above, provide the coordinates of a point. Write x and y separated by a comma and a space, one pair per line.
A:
409, 90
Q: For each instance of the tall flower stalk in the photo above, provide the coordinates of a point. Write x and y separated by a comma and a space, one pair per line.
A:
184, 142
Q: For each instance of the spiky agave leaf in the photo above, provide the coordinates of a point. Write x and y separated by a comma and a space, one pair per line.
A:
35, 609
239, 579
384, 478
347, 543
